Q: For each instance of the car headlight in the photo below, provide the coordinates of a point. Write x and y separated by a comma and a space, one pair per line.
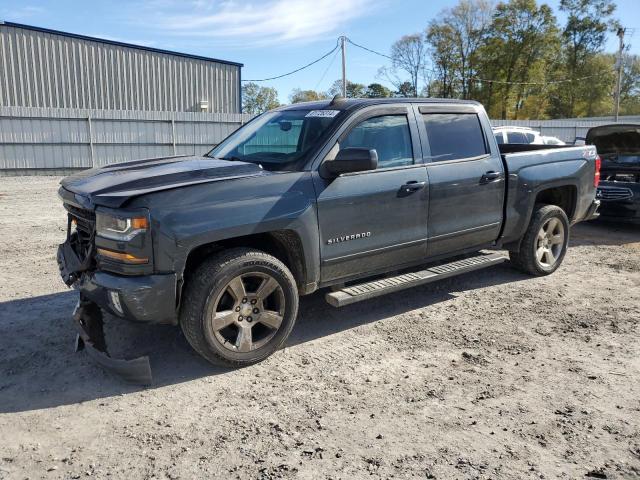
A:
120, 228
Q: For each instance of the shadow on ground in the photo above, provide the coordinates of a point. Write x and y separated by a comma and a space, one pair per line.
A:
602, 232
38, 368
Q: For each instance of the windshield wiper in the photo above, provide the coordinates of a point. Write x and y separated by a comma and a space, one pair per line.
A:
231, 159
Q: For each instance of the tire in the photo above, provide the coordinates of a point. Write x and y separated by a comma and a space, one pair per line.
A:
532, 257
218, 309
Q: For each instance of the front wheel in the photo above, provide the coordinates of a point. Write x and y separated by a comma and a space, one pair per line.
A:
239, 307
545, 242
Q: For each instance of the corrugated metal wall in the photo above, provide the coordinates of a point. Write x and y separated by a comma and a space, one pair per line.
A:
52, 139
41, 69
62, 139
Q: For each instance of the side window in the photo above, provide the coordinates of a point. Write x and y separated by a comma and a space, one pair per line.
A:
499, 138
516, 137
453, 136
530, 137
388, 135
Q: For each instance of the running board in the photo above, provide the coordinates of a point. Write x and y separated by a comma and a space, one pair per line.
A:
377, 288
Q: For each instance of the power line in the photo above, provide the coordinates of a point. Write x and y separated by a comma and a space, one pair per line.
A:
550, 82
484, 80
297, 69
333, 59
368, 49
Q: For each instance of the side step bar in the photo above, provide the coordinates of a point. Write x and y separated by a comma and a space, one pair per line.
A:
377, 288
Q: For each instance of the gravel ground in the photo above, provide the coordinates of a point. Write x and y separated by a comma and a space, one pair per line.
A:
489, 375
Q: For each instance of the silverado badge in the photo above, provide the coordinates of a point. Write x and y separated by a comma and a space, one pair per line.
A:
346, 238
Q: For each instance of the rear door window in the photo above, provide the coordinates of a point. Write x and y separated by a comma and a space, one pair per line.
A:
516, 137
454, 136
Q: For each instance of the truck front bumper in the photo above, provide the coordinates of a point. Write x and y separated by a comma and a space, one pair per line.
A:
148, 298
90, 326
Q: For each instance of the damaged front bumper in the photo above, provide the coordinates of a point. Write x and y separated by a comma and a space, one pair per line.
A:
147, 298
90, 325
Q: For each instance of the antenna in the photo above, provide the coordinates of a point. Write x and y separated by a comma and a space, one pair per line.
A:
336, 98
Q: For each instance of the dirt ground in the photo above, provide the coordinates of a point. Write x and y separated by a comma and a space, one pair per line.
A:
489, 375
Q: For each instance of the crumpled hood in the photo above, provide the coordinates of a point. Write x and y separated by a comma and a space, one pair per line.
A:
113, 185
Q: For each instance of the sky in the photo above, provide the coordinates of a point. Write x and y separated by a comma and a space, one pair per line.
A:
270, 37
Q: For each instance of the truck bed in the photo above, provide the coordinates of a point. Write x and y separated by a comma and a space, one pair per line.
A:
530, 169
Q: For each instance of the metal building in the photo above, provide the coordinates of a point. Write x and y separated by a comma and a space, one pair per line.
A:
47, 68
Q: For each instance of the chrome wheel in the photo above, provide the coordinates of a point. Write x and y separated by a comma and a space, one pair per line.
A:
247, 313
550, 242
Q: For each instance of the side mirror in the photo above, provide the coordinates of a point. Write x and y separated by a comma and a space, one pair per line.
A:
352, 160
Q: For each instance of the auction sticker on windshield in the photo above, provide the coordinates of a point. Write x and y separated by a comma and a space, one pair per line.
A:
323, 113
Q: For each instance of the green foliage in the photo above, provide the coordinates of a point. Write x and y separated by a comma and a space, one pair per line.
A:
583, 38
630, 87
298, 96
354, 90
257, 99
517, 60
405, 89
377, 90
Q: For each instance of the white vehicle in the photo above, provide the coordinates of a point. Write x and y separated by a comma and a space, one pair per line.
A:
552, 141
523, 135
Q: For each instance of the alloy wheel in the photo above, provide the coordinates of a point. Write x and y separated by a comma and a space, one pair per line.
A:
550, 242
248, 312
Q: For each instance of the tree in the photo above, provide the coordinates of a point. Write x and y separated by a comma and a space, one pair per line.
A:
257, 99
408, 55
522, 41
405, 89
354, 90
446, 62
298, 96
583, 37
455, 38
630, 86
377, 90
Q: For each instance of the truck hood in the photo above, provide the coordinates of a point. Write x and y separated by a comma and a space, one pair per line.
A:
618, 145
113, 185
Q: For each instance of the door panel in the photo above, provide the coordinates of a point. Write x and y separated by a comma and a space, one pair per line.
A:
368, 221
464, 210
375, 220
466, 178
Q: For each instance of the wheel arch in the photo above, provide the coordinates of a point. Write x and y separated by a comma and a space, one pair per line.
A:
285, 245
564, 195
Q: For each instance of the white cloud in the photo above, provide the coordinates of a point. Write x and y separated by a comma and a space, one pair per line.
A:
267, 22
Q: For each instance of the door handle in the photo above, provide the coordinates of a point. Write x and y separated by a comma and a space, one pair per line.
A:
413, 186
490, 176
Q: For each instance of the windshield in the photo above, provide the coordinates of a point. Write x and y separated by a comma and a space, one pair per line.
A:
278, 140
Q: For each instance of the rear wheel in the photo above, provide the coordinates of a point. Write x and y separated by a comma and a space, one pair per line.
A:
544, 244
239, 307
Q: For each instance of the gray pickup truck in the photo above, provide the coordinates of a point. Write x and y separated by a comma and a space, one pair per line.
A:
360, 197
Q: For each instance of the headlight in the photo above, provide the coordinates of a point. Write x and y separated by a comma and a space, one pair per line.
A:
120, 228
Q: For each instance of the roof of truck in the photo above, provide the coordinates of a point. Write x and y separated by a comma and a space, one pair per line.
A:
340, 103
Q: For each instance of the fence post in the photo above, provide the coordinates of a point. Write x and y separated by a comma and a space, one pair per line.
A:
173, 134
93, 164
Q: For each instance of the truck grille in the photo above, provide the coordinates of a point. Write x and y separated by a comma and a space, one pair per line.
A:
82, 240
85, 220
614, 193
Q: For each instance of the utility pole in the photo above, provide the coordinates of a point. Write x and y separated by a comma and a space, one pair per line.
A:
620, 65
343, 44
